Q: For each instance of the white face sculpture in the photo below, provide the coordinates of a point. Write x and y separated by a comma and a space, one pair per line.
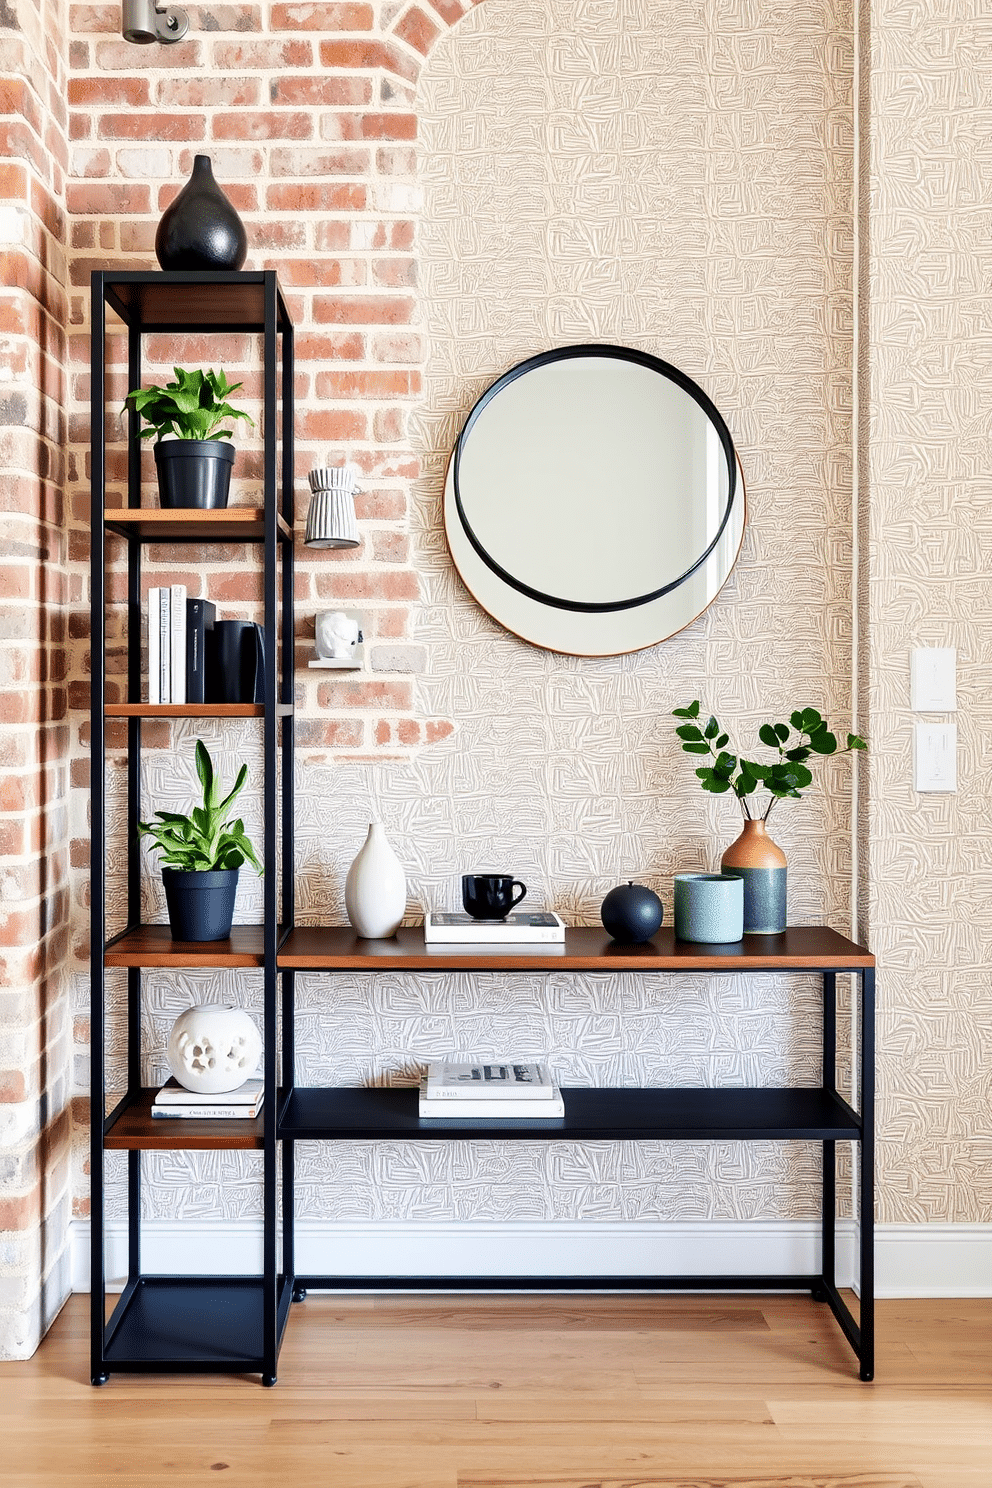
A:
336, 634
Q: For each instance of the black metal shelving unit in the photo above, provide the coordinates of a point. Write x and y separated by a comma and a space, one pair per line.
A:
230, 1323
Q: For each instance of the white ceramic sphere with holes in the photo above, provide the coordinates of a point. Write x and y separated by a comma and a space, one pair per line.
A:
213, 1047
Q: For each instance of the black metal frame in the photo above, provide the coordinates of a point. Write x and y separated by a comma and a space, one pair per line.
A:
855, 1126
249, 1314
611, 353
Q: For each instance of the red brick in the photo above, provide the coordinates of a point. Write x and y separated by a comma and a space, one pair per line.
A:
329, 92
100, 18
449, 10
118, 56
13, 1087
417, 30
262, 125
322, 273
318, 733
331, 236
21, 1211
235, 56
394, 273
396, 695
315, 198
124, 91
332, 423
397, 346
341, 584
362, 309
327, 17
245, 198
320, 162
397, 161
408, 731
88, 199
228, 92
389, 126
277, 235
156, 126
389, 425
366, 384
390, 547
368, 55
439, 728
383, 732
344, 346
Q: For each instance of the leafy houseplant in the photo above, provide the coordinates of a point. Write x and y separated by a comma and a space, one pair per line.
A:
200, 857
786, 776
194, 467
754, 857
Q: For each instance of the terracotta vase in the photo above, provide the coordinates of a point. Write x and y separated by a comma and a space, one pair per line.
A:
761, 863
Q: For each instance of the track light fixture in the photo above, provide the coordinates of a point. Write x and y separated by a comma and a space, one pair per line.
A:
145, 21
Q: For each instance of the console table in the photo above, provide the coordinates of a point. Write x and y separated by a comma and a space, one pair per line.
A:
811, 1114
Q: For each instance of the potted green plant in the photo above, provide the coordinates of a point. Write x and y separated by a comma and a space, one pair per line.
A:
194, 464
754, 856
201, 855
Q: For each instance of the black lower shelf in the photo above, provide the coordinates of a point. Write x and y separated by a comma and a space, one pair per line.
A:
349, 1113
202, 1322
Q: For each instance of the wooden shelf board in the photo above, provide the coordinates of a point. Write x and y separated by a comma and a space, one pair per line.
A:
190, 300
134, 1128
153, 945
591, 1115
799, 948
159, 524
193, 710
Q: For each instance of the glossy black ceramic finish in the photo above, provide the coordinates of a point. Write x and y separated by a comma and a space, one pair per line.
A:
490, 896
194, 473
201, 229
631, 913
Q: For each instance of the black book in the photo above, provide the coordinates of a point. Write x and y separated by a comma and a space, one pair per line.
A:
200, 616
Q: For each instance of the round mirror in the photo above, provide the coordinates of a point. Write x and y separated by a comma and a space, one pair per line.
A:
593, 503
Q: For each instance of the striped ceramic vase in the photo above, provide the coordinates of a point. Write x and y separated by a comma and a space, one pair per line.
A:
756, 859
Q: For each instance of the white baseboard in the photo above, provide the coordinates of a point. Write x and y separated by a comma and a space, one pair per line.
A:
479, 1249
927, 1260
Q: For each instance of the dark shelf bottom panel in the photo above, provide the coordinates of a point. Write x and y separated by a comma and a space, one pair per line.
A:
368, 1112
777, 1283
191, 1323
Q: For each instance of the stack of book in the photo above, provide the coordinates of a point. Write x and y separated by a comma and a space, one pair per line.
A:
513, 1092
522, 928
177, 629
174, 1101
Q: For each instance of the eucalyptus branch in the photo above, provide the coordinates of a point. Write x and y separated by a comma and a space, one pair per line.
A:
787, 776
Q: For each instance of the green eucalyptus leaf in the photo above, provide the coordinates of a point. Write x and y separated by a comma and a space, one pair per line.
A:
823, 742
855, 741
690, 732
796, 719
712, 728
811, 720
802, 753
768, 736
782, 731
723, 741
696, 748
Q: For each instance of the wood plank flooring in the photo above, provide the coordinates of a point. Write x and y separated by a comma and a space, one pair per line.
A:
528, 1392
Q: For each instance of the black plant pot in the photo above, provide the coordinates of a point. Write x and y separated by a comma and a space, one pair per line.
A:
201, 904
194, 472
201, 229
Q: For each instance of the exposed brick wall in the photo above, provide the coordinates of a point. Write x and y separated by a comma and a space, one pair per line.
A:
308, 114
35, 1038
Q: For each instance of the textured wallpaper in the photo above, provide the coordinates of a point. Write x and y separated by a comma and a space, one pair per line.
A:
930, 559
676, 178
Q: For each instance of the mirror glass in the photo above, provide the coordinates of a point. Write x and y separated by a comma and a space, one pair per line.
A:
593, 502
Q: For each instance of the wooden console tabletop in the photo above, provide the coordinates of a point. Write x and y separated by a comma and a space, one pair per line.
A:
801, 947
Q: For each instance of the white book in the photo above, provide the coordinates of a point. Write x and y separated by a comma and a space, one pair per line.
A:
165, 644
154, 645
500, 1080
174, 1094
517, 929
207, 1113
518, 1110
178, 642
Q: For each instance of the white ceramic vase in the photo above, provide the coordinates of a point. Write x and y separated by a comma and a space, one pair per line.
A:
375, 889
213, 1047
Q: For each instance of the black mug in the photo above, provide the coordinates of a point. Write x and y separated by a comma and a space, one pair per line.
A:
489, 896
235, 670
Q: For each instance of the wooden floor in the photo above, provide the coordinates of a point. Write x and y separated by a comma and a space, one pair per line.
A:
515, 1392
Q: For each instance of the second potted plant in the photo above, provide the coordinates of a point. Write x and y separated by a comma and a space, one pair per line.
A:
201, 856
194, 466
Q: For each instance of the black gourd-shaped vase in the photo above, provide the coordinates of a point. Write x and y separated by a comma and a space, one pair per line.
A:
201, 229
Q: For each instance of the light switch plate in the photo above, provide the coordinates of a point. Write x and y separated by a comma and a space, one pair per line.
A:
936, 757
933, 679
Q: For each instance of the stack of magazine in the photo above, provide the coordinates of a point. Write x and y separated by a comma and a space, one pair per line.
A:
512, 1092
174, 1101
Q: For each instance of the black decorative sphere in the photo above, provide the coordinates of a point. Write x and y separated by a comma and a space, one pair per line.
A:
631, 912
201, 229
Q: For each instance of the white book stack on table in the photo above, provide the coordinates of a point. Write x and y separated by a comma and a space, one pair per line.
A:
506, 1089
174, 1101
